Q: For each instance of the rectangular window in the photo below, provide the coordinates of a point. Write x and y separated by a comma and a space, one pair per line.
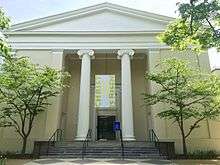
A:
105, 91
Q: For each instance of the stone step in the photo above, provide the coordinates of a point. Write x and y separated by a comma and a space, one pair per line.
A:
105, 157
109, 149
93, 151
105, 144
102, 153
104, 149
90, 152
105, 152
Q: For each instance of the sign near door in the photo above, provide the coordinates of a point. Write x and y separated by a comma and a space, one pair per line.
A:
117, 126
104, 91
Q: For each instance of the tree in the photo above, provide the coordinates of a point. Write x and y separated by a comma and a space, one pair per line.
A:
197, 27
25, 89
4, 24
24, 92
188, 94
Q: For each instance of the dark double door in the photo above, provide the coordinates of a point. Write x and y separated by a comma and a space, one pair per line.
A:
105, 128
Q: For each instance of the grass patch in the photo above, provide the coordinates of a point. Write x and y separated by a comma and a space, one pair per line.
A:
200, 154
203, 154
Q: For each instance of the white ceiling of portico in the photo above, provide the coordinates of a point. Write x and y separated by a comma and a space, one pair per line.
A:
102, 17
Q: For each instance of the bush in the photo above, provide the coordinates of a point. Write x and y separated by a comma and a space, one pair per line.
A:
14, 155
201, 154
2, 160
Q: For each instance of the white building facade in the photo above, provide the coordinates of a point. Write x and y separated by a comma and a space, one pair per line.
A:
111, 45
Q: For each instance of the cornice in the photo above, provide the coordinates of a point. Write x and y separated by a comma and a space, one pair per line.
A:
93, 45
81, 32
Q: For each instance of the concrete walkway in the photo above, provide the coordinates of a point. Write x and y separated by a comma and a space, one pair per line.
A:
97, 162
109, 162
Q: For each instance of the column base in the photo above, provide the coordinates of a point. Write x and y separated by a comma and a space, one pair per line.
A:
129, 138
80, 138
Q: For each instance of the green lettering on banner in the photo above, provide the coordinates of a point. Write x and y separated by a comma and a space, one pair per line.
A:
105, 91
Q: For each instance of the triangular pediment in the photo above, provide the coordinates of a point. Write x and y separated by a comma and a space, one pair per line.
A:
102, 17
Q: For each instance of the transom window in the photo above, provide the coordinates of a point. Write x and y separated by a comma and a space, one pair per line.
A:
105, 91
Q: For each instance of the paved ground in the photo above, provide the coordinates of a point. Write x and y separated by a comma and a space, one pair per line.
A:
109, 162
17, 161
96, 162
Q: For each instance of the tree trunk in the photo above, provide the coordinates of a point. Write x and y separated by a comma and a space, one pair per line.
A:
24, 144
183, 141
181, 125
184, 146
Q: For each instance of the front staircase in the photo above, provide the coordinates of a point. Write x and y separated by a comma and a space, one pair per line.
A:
103, 149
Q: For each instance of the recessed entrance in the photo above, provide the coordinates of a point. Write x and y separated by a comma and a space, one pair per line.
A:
105, 128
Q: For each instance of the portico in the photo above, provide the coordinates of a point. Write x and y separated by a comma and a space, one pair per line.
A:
118, 63
125, 56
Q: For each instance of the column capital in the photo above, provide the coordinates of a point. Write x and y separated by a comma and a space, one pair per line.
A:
83, 52
122, 52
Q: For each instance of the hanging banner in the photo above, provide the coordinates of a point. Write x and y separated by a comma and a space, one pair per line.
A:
105, 91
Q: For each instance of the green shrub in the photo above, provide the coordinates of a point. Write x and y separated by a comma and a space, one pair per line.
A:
203, 154
2, 160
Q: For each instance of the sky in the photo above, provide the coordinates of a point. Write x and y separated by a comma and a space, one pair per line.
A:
24, 10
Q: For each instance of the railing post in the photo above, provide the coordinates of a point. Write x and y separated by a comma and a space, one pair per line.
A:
39, 151
122, 145
86, 143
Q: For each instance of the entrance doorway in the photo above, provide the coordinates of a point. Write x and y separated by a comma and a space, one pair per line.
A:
105, 128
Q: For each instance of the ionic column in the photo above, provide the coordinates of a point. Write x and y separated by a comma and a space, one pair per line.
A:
127, 107
84, 96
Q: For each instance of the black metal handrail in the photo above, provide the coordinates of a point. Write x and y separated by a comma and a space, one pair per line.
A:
153, 136
163, 147
56, 137
122, 145
86, 142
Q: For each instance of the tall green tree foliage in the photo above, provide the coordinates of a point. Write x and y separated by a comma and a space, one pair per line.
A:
188, 94
196, 28
4, 24
24, 89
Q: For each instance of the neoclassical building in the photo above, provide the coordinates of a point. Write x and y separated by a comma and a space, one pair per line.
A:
107, 49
